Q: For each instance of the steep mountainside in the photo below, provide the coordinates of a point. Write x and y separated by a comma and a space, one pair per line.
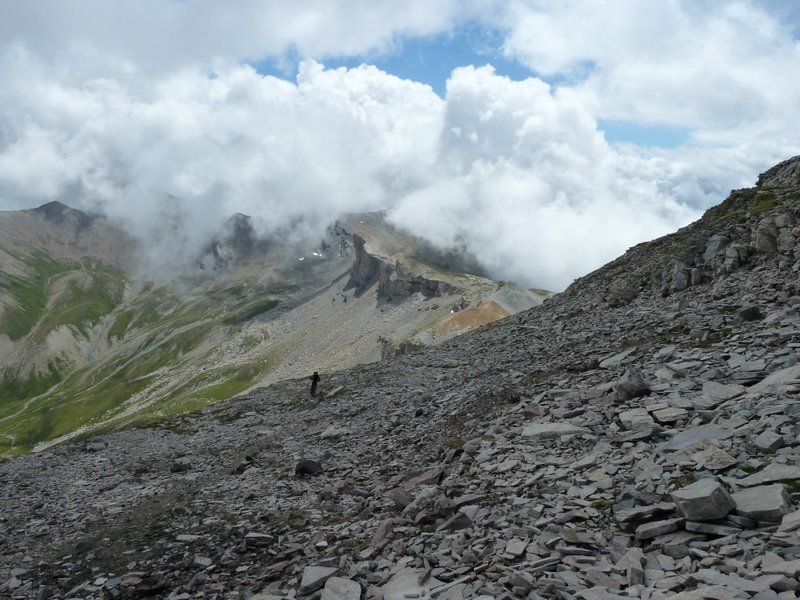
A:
91, 338
634, 436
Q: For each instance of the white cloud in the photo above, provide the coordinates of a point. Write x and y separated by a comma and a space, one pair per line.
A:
122, 105
529, 184
705, 65
158, 35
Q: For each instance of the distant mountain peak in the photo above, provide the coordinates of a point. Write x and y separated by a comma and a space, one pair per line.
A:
59, 213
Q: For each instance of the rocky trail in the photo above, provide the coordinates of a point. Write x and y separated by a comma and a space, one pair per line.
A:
634, 437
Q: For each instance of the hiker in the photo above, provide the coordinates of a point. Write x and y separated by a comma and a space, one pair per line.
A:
314, 382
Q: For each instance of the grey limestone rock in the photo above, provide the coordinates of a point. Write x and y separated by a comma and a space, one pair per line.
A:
341, 588
548, 431
306, 466
790, 521
763, 503
181, 465
314, 578
698, 435
770, 474
653, 529
703, 500
630, 385
768, 441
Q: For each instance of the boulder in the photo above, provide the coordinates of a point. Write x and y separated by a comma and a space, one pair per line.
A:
763, 503
306, 466
704, 500
630, 385
181, 465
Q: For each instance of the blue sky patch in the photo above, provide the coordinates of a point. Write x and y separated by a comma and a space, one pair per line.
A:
664, 136
428, 60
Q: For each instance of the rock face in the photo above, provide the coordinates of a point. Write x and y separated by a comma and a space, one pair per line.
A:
502, 464
367, 267
395, 283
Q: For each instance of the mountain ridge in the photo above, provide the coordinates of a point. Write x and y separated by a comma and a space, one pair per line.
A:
90, 340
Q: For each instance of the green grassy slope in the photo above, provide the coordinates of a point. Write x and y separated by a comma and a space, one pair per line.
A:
157, 347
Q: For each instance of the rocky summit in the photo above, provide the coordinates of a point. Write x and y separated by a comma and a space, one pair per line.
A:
633, 437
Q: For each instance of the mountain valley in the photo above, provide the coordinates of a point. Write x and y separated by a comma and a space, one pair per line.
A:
634, 436
94, 337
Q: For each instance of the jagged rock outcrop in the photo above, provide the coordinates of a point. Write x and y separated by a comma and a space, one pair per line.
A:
394, 281
750, 227
367, 268
396, 284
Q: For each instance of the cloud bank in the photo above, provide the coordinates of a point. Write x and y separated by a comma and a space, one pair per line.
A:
150, 111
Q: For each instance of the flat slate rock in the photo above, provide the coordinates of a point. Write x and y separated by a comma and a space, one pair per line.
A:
790, 522
716, 393
314, 578
405, 584
700, 434
713, 459
341, 588
771, 474
712, 577
547, 431
783, 377
711, 528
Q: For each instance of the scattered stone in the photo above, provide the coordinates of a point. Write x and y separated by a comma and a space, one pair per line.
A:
557, 491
